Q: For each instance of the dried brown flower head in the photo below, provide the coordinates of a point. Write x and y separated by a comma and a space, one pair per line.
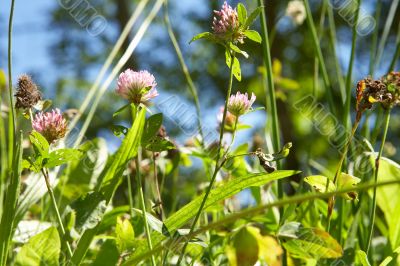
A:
27, 94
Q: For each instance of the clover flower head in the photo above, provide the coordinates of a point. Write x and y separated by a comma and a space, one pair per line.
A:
296, 11
52, 125
137, 87
27, 94
226, 24
240, 104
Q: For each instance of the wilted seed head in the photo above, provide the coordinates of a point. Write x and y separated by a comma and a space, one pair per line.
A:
226, 24
27, 94
137, 87
52, 125
297, 11
385, 90
240, 104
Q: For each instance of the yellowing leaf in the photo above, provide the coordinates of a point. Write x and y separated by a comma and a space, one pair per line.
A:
318, 182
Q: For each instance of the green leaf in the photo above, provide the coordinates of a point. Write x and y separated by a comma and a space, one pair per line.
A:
228, 58
318, 182
236, 69
125, 235
348, 181
242, 13
112, 177
309, 243
42, 249
388, 199
154, 223
151, 127
204, 35
253, 35
252, 17
238, 50
362, 258
40, 144
62, 156
121, 109
89, 210
158, 144
227, 190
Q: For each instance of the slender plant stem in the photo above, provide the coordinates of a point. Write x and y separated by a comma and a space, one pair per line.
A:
11, 114
192, 87
376, 173
349, 77
374, 44
331, 201
271, 89
143, 205
159, 199
333, 41
54, 203
386, 31
130, 194
396, 53
317, 47
218, 157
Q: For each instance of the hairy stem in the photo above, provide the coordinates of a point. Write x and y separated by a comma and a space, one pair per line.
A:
217, 165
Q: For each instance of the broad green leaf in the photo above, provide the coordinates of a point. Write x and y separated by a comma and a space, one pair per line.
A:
89, 210
318, 182
39, 143
112, 177
151, 127
62, 156
361, 258
252, 17
388, 197
236, 69
204, 35
242, 13
253, 35
35, 166
222, 192
309, 243
125, 239
42, 249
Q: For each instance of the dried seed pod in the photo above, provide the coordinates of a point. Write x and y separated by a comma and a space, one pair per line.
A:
27, 94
